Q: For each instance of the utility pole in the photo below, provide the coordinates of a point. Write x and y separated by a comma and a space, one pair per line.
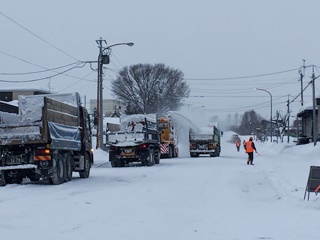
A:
313, 109
301, 79
288, 124
99, 97
103, 59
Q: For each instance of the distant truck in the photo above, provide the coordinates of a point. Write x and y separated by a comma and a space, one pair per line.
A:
235, 138
48, 140
137, 141
205, 142
168, 140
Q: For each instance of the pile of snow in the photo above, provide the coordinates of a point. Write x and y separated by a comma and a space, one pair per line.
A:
136, 122
30, 106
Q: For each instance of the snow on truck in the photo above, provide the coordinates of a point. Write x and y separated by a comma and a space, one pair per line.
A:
207, 141
168, 140
137, 141
50, 138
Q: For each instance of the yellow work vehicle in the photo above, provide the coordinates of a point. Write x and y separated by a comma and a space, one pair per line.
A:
168, 140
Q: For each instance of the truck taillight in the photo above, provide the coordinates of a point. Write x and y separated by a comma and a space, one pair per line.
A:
211, 146
42, 155
143, 146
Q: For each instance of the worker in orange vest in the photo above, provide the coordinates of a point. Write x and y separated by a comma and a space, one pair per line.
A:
238, 143
250, 148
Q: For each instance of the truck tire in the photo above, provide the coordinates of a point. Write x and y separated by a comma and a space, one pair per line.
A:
85, 173
157, 157
151, 160
113, 164
170, 153
112, 159
69, 167
118, 162
2, 179
59, 170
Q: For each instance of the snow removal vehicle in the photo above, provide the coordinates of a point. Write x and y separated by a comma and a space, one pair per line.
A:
168, 139
207, 141
137, 141
49, 139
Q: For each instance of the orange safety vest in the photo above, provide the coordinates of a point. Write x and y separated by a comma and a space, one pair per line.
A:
249, 147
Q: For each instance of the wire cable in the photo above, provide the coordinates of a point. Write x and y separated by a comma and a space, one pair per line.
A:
44, 78
242, 77
42, 71
42, 39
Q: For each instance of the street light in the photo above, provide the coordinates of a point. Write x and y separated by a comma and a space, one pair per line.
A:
102, 59
270, 110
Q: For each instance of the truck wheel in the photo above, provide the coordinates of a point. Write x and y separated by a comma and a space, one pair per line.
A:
2, 179
34, 178
112, 159
119, 162
69, 167
157, 157
59, 169
150, 160
17, 180
85, 173
170, 152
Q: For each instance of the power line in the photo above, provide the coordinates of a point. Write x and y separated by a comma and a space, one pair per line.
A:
242, 77
81, 79
23, 60
42, 71
37, 36
44, 78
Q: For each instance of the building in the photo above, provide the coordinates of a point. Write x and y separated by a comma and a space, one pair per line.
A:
8, 95
306, 115
110, 107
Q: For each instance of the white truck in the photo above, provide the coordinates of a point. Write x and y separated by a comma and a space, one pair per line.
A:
137, 141
207, 141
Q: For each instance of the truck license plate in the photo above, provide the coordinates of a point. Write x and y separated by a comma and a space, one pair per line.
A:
13, 160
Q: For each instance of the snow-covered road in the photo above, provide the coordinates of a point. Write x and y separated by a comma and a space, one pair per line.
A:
181, 198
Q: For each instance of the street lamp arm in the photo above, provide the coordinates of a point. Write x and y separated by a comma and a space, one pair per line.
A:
270, 110
264, 91
130, 44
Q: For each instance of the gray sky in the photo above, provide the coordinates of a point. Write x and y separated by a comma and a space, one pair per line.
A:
224, 42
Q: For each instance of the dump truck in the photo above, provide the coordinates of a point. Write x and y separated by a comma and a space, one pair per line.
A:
49, 139
168, 139
205, 142
137, 141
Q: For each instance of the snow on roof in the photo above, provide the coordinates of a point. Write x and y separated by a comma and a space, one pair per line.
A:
306, 106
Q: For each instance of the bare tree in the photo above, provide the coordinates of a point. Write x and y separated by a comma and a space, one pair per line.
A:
249, 122
146, 88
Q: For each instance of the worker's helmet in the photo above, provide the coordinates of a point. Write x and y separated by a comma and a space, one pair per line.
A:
251, 138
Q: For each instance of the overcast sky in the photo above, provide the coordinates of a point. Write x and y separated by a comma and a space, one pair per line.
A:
219, 46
